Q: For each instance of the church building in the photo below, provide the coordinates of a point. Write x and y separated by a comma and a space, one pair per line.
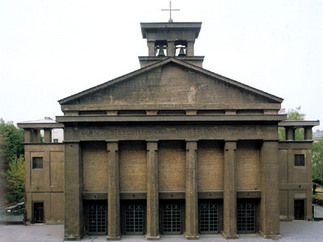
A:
171, 148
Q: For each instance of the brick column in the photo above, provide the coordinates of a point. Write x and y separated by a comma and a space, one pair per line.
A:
47, 135
308, 133
191, 194
269, 204
151, 48
113, 192
28, 136
73, 176
171, 48
190, 48
152, 191
290, 133
229, 191
35, 136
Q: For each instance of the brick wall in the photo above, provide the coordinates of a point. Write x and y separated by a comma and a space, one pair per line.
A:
171, 165
247, 166
57, 169
95, 166
210, 165
132, 166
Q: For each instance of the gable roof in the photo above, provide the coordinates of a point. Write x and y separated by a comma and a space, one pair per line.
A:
162, 63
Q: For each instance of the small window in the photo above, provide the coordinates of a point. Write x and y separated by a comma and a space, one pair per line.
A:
37, 162
299, 160
55, 140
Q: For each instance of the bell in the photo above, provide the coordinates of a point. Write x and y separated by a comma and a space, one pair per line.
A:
161, 52
181, 52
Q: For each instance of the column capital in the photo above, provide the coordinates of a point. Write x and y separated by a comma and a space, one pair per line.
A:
151, 145
230, 145
191, 145
112, 146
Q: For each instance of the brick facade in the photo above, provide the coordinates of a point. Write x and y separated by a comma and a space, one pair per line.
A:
150, 151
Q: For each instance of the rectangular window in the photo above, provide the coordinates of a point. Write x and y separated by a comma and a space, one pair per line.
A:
96, 217
133, 217
37, 162
172, 217
246, 217
208, 217
299, 160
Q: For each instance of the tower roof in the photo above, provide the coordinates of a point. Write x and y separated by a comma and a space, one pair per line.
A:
171, 30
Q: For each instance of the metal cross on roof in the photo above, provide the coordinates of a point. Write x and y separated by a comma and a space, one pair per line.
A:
170, 11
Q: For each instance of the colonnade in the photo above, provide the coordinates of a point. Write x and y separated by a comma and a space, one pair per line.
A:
269, 205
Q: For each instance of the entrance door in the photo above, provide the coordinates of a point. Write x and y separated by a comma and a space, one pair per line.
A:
208, 217
172, 217
96, 217
299, 209
38, 214
133, 214
246, 217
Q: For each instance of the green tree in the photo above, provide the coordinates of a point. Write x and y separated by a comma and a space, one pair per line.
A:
317, 161
14, 178
11, 153
11, 141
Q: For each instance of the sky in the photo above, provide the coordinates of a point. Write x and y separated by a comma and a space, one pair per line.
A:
52, 49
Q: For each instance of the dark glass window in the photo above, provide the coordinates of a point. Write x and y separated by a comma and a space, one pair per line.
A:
208, 217
37, 162
96, 217
133, 217
246, 217
172, 217
299, 160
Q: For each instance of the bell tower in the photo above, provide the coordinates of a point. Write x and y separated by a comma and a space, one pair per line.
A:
171, 39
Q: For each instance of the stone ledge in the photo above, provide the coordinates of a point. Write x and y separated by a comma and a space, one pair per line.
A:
179, 118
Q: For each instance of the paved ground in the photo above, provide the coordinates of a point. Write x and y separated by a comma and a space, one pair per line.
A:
291, 231
318, 212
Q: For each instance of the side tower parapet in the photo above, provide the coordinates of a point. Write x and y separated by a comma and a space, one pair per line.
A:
291, 125
42, 131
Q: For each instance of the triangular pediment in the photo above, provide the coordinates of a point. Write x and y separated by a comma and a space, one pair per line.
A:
170, 82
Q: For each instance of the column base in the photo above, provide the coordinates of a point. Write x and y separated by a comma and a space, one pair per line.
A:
113, 237
270, 236
73, 238
230, 236
192, 237
152, 237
